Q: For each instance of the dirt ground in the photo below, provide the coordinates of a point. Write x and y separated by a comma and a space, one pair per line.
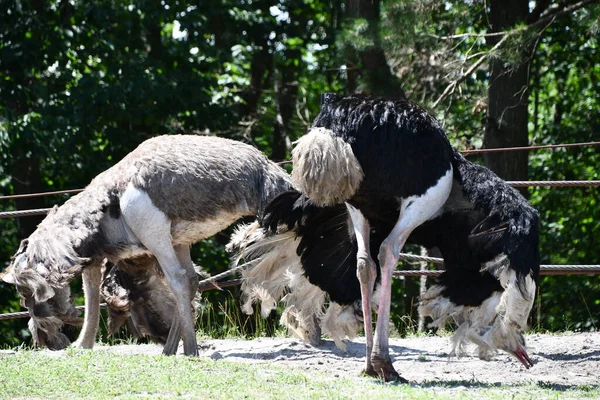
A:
560, 361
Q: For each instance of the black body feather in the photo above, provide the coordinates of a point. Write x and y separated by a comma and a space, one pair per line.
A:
327, 247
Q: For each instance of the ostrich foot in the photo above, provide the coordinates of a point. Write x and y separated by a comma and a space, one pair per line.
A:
384, 370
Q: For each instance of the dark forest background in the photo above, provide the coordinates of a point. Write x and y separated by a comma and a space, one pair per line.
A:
83, 82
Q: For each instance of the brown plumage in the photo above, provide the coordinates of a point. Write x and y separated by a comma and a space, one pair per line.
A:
138, 296
167, 194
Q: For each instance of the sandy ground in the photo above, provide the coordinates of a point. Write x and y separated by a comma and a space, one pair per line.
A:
560, 361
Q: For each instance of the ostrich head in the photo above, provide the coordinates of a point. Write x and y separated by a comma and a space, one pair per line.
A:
48, 303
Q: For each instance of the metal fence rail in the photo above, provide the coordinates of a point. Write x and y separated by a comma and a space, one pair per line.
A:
41, 211
209, 284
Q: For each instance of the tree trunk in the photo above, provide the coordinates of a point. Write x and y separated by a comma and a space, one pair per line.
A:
27, 178
286, 92
376, 75
261, 64
508, 96
288, 68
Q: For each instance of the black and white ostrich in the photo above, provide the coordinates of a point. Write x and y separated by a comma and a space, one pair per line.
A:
375, 174
168, 193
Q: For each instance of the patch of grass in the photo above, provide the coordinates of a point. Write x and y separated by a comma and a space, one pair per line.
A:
104, 374
226, 320
216, 320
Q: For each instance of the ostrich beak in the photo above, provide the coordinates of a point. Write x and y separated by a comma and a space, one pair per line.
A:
521, 355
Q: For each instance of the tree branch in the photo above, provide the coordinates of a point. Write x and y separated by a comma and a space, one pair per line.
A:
532, 20
466, 35
540, 7
558, 12
450, 88
545, 20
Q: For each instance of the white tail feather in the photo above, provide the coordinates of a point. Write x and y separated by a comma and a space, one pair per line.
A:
497, 324
278, 277
341, 323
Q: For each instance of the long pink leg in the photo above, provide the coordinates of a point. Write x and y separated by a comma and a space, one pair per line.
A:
414, 211
367, 273
388, 258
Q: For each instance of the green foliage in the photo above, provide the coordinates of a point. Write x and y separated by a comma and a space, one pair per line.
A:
565, 108
225, 319
355, 35
83, 83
